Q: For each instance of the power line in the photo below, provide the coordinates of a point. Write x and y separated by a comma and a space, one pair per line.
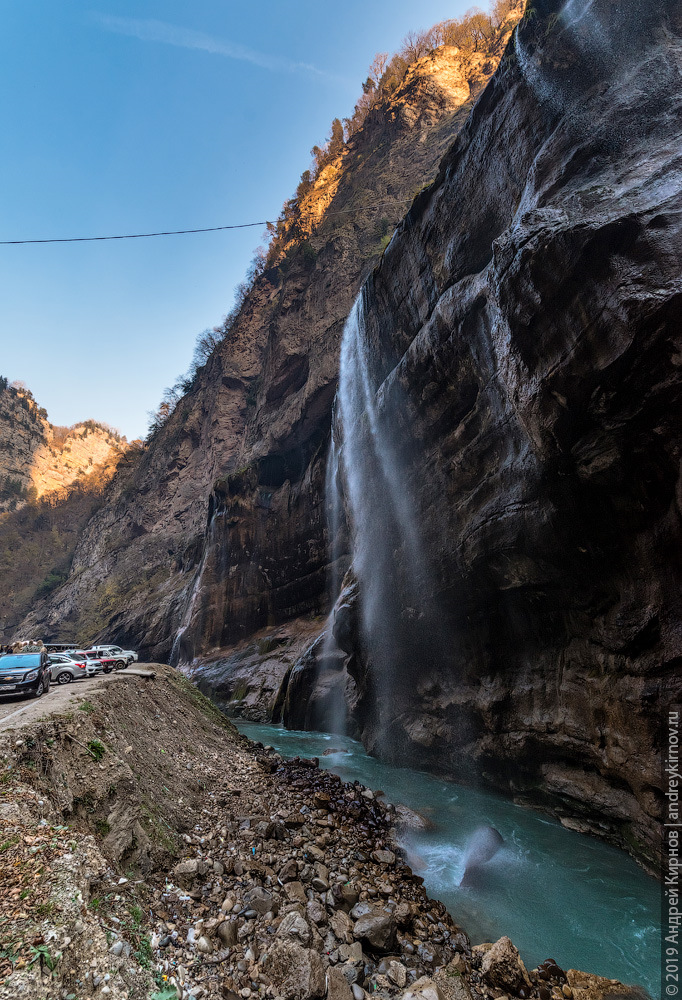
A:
184, 232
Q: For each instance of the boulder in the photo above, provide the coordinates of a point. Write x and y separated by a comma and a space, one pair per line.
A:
293, 925
376, 929
503, 968
296, 973
260, 900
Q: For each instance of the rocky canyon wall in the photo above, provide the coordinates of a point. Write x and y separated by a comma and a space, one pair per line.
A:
220, 528
521, 341
512, 455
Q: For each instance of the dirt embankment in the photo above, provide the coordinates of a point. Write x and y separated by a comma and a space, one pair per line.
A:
149, 852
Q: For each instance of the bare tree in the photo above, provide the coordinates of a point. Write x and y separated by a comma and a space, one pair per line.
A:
377, 67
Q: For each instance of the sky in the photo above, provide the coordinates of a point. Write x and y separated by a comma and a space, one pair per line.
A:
129, 117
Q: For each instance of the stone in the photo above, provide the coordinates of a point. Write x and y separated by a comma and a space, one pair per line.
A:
227, 932
338, 987
316, 912
342, 926
295, 892
423, 989
289, 871
295, 972
293, 925
260, 900
384, 857
187, 871
351, 953
408, 819
502, 966
403, 914
376, 928
397, 973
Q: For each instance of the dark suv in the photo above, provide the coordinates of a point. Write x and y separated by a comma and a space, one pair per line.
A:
24, 673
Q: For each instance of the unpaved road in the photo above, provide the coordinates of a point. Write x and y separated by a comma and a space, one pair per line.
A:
18, 712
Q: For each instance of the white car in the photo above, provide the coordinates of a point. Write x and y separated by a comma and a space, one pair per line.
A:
66, 667
128, 654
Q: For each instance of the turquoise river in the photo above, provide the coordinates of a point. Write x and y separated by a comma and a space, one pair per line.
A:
556, 893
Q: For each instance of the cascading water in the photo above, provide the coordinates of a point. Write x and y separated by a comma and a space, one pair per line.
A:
330, 655
388, 554
176, 654
334, 518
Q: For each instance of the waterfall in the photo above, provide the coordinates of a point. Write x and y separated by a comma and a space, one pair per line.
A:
176, 651
330, 652
388, 554
334, 520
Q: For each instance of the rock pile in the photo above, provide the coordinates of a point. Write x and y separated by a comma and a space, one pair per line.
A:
292, 887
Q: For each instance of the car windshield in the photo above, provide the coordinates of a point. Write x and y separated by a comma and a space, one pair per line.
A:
19, 661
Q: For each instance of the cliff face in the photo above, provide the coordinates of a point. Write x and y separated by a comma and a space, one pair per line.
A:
37, 458
51, 481
221, 527
509, 445
521, 341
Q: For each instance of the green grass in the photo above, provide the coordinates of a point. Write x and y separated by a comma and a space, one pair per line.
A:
87, 706
97, 749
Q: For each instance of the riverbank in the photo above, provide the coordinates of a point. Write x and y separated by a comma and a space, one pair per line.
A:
147, 850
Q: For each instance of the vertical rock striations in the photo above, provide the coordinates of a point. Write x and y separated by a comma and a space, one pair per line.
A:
521, 343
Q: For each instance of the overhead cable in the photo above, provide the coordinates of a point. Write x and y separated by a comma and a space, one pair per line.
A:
183, 232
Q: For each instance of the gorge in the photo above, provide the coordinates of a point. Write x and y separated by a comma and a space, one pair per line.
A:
476, 463
511, 446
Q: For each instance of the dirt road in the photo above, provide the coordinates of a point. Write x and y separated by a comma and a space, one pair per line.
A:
18, 712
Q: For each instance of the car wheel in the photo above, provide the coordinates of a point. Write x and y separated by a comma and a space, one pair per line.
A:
107, 670
120, 665
65, 677
39, 690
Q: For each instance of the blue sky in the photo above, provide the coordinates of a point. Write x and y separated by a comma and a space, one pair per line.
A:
133, 117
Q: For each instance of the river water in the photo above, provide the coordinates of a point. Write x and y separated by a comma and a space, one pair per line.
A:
557, 894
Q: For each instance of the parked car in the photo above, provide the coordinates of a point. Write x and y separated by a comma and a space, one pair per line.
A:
129, 654
108, 661
93, 663
24, 673
64, 669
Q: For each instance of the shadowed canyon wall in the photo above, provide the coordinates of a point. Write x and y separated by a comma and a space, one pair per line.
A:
512, 464
521, 345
